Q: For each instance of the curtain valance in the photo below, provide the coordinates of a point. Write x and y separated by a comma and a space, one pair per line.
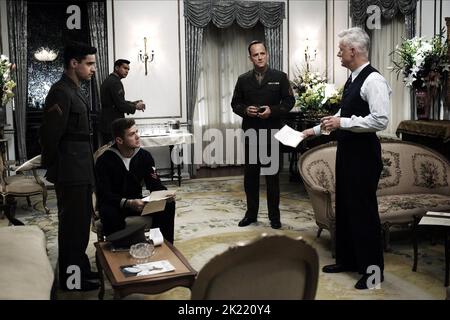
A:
389, 8
223, 13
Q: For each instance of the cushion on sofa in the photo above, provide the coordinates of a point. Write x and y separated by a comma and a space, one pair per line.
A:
25, 269
401, 208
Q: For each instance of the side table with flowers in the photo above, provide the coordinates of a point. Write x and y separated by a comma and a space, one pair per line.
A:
315, 98
425, 66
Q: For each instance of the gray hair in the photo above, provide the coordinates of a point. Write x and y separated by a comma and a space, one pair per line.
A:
356, 38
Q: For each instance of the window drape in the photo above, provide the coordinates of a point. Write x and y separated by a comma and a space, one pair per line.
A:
98, 35
225, 58
17, 34
383, 41
389, 10
199, 13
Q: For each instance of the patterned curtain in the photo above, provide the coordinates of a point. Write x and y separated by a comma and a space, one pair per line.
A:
198, 13
194, 39
274, 43
389, 9
17, 33
98, 35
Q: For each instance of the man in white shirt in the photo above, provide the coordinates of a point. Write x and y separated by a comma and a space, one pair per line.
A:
364, 111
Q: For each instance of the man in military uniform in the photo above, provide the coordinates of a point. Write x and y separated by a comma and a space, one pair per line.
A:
67, 156
261, 97
112, 95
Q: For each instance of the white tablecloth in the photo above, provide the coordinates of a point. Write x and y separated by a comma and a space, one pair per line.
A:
168, 139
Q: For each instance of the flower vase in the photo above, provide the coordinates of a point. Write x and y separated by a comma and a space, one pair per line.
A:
423, 104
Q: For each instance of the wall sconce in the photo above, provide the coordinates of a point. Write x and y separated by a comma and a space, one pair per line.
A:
144, 57
310, 53
45, 55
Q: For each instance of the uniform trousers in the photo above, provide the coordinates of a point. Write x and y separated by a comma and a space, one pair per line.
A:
74, 220
252, 172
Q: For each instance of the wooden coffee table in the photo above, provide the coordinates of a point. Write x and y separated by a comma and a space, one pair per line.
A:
110, 262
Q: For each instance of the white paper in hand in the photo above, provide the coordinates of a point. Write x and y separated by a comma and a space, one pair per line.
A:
156, 201
289, 136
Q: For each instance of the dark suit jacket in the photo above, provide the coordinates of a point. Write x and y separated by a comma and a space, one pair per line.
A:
114, 105
275, 91
65, 135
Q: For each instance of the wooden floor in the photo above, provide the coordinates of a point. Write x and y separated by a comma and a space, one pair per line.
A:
219, 172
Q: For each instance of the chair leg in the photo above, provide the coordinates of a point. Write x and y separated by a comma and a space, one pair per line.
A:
28, 201
10, 212
447, 258
44, 201
319, 232
415, 246
386, 237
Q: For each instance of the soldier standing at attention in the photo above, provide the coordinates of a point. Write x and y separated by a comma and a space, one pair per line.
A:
67, 156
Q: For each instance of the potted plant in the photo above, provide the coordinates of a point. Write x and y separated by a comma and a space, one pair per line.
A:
424, 64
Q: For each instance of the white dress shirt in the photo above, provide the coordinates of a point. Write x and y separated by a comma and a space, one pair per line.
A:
376, 92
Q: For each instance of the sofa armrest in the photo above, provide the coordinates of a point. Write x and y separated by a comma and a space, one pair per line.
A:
25, 269
322, 204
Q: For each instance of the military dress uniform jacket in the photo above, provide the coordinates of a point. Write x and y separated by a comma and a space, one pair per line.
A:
274, 91
114, 105
65, 135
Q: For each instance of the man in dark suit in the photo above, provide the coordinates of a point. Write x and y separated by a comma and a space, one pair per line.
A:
112, 95
261, 97
67, 156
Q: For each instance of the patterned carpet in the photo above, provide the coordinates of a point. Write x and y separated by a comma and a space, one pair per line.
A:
208, 211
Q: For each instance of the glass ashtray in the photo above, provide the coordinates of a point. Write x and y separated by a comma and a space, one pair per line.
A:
142, 250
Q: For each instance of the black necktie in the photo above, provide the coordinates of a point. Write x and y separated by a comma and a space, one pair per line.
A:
347, 85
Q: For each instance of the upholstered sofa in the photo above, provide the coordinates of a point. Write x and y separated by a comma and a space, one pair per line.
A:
414, 180
25, 269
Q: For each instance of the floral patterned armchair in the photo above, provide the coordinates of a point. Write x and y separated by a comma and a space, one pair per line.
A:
414, 180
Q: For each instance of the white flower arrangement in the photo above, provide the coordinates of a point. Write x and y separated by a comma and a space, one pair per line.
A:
314, 96
424, 63
6, 83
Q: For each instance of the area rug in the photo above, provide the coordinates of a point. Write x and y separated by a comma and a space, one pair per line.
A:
208, 211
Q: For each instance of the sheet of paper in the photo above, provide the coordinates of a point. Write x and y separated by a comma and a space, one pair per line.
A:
289, 136
434, 221
154, 206
159, 195
156, 201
